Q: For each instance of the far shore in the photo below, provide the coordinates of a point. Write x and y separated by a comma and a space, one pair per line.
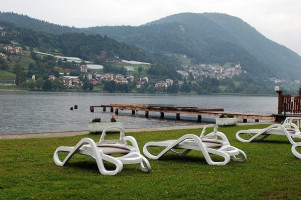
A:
84, 132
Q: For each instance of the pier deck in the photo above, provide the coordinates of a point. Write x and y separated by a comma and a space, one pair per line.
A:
213, 112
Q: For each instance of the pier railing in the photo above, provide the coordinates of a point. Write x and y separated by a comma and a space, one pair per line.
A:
288, 103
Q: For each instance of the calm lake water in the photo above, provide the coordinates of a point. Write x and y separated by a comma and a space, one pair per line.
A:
33, 112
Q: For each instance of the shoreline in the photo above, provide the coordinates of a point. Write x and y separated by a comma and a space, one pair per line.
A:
83, 132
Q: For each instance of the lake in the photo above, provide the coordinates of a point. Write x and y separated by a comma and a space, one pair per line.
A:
34, 112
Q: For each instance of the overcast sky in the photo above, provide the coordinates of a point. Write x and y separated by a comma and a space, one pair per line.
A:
278, 20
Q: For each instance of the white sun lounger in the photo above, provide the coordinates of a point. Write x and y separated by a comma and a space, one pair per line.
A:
215, 143
290, 128
102, 151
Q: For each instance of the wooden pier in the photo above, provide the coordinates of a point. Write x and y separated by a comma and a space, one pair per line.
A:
213, 112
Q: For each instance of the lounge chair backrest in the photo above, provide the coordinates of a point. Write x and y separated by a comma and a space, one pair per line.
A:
212, 134
121, 137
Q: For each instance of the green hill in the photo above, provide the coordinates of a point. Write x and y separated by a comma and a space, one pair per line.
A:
211, 38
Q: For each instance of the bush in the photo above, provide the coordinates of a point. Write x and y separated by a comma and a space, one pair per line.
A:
97, 119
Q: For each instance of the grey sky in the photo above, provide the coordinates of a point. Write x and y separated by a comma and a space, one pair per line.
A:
278, 20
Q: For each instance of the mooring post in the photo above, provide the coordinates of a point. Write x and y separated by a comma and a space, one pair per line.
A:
104, 108
199, 118
178, 116
146, 113
112, 109
92, 108
256, 120
161, 115
133, 112
244, 120
116, 111
280, 101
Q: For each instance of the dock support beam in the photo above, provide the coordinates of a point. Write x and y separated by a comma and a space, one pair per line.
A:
161, 115
91, 108
133, 112
199, 118
178, 116
116, 111
244, 120
146, 113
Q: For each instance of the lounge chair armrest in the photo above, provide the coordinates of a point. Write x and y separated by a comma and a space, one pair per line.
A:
133, 141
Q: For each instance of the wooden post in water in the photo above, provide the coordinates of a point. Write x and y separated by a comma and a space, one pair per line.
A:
199, 118
112, 109
256, 120
116, 111
91, 108
71, 108
75, 106
146, 113
161, 115
133, 112
245, 120
178, 116
104, 108
280, 102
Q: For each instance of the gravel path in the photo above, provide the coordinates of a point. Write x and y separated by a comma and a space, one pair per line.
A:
73, 133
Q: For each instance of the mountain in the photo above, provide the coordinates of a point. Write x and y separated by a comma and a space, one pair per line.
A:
211, 38
204, 38
27, 22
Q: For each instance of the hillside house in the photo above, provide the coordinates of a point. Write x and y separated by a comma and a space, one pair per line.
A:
94, 82
83, 68
71, 81
88, 76
51, 77
129, 68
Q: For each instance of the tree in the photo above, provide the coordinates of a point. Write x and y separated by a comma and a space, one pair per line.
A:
110, 86
185, 88
140, 70
47, 86
39, 83
57, 84
3, 64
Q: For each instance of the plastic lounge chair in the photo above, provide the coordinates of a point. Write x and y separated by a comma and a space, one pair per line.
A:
295, 152
207, 144
288, 128
103, 150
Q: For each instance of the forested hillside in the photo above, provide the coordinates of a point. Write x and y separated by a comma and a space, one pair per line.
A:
211, 38
200, 53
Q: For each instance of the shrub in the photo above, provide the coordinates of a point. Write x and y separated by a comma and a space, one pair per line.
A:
97, 119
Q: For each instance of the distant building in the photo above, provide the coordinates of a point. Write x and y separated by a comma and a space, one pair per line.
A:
83, 68
3, 55
169, 82
70, 81
145, 79
102, 54
88, 76
51, 77
129, 68
94, 82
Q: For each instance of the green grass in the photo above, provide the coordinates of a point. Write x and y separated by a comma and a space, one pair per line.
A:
7, 76
27, 171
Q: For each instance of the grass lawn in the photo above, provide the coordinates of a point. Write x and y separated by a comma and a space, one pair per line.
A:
27, 171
